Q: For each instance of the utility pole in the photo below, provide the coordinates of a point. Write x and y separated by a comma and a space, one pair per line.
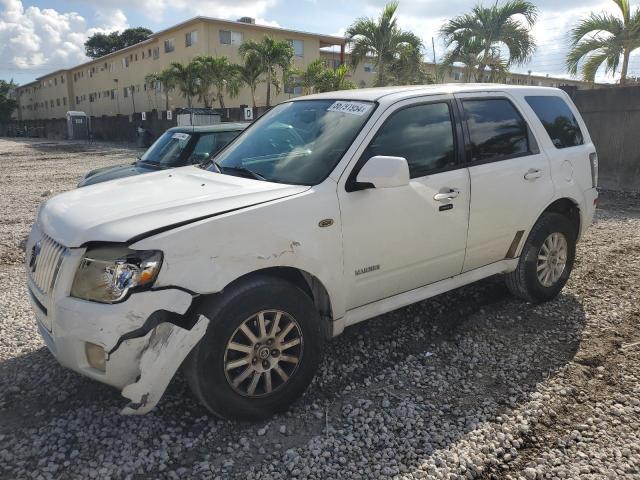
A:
133, 91
117, 96
435, 60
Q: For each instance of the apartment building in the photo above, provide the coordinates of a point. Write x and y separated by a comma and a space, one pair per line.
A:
115, 84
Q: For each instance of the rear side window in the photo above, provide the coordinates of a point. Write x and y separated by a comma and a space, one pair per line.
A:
558, 120
422, 134
496, 130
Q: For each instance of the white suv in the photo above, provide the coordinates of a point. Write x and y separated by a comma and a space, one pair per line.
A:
328, 210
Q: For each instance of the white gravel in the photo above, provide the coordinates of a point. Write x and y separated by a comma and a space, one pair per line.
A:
471, 384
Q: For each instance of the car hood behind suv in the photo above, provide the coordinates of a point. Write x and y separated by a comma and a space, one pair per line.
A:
120, 210
111, 173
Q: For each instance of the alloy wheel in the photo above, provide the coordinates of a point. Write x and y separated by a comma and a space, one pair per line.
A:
263, 353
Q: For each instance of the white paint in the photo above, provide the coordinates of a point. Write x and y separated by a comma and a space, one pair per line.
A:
167, 346
405, 247
386, 305
385, 172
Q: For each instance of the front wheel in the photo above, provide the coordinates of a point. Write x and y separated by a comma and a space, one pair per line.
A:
546, 260
260, 352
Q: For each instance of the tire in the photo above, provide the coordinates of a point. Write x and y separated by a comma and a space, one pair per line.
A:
208, 368
524, 282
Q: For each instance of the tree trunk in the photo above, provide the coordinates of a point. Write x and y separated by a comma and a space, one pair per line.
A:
380, 72
166, 100
625, 66
268, 88
253, 95
221, 100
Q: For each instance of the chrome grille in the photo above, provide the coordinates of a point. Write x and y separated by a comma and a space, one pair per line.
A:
43, 262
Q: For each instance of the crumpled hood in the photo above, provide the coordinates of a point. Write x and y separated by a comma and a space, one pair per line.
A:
120, 210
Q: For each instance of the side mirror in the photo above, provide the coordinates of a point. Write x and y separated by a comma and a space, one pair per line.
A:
384, 172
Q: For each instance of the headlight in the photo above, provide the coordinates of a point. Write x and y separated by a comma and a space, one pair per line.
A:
107, 274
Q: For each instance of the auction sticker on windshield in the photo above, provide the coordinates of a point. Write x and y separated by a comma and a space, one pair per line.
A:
180, 136
354, 108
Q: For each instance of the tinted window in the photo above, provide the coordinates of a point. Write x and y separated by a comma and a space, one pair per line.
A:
422, 134
496, 129
209, 144
558, 120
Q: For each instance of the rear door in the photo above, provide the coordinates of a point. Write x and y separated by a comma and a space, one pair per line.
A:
510, 177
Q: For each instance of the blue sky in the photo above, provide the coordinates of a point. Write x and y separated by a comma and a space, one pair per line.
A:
39, 36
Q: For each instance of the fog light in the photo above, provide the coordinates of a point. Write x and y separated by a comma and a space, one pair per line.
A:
95, 356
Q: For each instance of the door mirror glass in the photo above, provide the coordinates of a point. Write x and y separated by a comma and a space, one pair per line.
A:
384, 172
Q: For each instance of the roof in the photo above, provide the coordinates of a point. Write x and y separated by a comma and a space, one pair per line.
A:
216, 127
376, 94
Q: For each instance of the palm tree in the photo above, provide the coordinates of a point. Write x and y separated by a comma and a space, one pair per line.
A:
186, 78
491, 28
329, 80
471, 53
166, 80
219, 74
250, 74
381, 39
308, 78
272, 55
604, 38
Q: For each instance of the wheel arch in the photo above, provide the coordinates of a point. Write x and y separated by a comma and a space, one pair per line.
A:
569, 208
306, 281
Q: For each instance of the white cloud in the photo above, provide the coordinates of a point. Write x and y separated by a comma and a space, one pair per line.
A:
156, 10
43, 40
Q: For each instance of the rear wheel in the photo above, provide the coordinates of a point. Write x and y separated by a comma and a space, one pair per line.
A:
546, 260
260, 352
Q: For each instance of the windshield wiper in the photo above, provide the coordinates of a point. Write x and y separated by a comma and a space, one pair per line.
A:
241, 170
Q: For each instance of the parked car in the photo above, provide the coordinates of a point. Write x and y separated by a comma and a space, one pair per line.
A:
329, 210
177, 147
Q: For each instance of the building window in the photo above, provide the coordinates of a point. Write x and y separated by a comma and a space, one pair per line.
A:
156, 53
57, 102
113, 94
191, 38
169, 45
149, 53
61, 79
125, 62
51, 103
229, 37
136, 57
64, 100
293, 90
369, 67
456, 76
55, 81
298, 47
125, 92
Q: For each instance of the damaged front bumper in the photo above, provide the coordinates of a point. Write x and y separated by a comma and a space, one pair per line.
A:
145, 339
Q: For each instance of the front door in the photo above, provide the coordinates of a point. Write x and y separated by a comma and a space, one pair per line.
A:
400, 238
510, 177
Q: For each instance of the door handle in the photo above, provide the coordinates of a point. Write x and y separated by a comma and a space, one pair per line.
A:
446, 196
532, 174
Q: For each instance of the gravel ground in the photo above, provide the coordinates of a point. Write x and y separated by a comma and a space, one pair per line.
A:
471, 384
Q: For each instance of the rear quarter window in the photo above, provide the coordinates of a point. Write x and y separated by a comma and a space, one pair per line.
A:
557, 119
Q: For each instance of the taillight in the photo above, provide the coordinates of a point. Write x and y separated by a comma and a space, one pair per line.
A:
593, 160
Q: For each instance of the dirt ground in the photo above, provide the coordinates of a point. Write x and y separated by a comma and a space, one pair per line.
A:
470, 384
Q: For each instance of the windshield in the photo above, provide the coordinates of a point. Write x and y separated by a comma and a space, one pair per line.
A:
167, 150
297, 142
